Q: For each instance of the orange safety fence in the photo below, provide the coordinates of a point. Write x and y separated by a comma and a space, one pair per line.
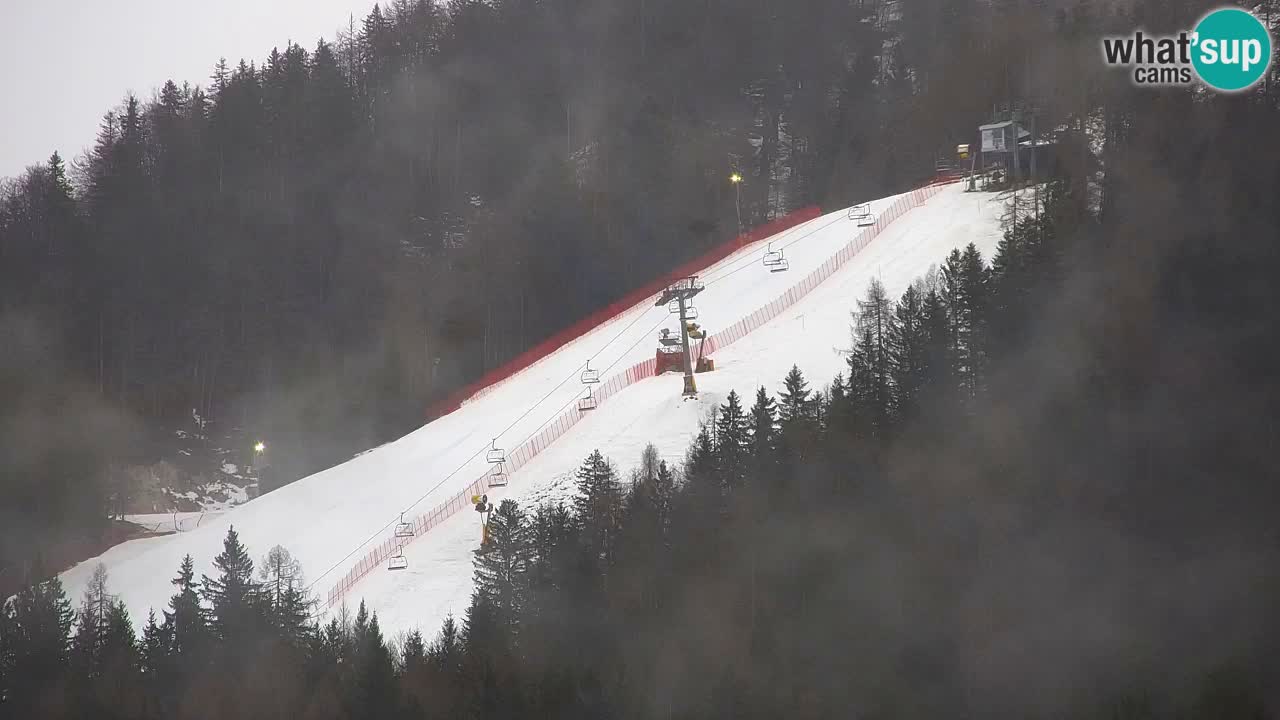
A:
557, 427
522, 361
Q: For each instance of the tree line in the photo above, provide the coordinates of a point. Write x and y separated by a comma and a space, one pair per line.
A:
992, 511
312, 246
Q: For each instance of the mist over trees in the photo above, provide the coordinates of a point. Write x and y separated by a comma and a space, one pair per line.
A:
1031, 467
889, 543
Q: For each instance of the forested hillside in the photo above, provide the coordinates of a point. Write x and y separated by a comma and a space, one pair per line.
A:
313, 245
987, 514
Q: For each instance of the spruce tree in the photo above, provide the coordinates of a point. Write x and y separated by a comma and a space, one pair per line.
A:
793, 401
234, 598
938, 365
446, 649
154, 651
796, 418
700, 459
38, 646
732, 443
413, 656
502, 567
370, 690
965, 290
763, 426
184, 620
908, 341
598, 506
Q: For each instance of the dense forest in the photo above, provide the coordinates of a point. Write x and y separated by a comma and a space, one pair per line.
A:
1045, 487
923, 535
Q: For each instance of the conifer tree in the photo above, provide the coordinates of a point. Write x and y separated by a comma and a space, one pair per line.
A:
700, 459
284, 588
732, 443
908, 342
38, 645
184, 620
870, 363
502, 567
763, 426
154, 651
938, 361
371, 685
446, 649
793, 402
234, 598
598, 507
413, 656
964, 291
796, 418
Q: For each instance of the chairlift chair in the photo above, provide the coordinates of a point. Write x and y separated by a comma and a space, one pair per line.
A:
403, 529
495, 453
398, 561
498, 478
862, 214
668, 338
690, 312
587, 402
773, 258
589, 376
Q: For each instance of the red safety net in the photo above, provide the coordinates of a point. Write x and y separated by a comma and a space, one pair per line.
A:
555, 342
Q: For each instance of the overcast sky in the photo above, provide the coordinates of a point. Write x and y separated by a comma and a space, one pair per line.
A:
63, 63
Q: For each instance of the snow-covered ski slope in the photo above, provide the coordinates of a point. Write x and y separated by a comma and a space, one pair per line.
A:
332, 520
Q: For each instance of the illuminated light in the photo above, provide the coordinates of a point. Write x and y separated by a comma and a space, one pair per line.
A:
735, 178
261, 446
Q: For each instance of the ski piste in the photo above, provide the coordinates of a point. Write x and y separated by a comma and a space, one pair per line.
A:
341, 523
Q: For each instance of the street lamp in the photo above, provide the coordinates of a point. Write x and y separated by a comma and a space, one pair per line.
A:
736, 179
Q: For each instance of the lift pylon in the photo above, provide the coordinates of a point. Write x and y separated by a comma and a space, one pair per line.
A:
680, 293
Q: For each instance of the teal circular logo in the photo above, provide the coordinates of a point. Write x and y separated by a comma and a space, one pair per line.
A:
1231, 49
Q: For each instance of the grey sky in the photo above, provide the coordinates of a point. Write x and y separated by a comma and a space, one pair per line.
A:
63, 63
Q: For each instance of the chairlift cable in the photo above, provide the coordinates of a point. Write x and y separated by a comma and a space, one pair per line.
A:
455, 471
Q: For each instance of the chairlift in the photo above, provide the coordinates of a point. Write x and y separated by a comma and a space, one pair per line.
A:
498, 478
495, 454
587, 402
398, 561
589, 376
773, 258
673, 307
690, 312
862, 214
403, 529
